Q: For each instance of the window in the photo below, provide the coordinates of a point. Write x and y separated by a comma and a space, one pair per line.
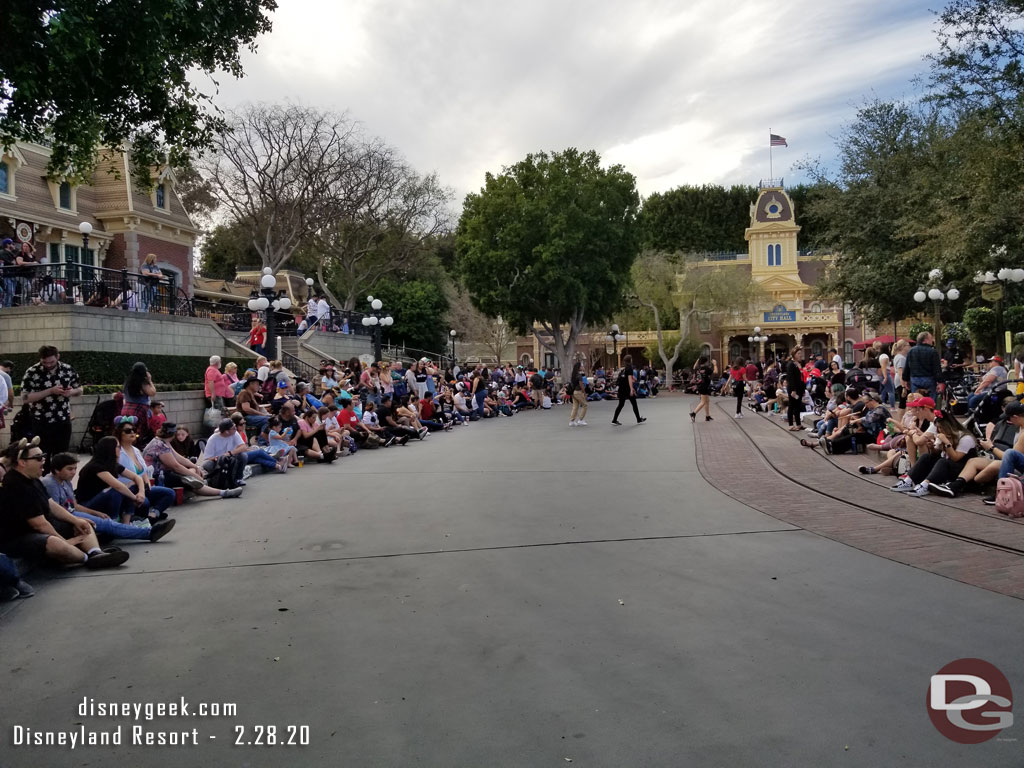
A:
771, 255
815, 307
64, 195
549, 360
848, 352
705, 350
778, 254
817, 348
524, 360
704, 322
847, 314
735, 350
161, 196
71, 262
5, 179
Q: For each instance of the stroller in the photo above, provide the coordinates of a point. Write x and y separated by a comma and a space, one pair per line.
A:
989, 409
101, 424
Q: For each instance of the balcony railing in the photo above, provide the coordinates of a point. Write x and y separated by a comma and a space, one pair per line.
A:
87, 285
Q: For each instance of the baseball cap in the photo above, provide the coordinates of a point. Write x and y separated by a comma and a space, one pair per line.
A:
922, 402
168, 428
225, 425
281, 384
6, 241
995, 359
871, 394
1014, 409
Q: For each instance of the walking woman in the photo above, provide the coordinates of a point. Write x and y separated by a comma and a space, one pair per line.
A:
705, 371
578, 393
627, 391
737, 378
795, 388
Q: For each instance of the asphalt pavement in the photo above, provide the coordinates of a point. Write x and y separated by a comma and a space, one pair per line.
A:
514, 593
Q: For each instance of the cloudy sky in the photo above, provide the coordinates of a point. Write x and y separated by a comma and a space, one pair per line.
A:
678, 92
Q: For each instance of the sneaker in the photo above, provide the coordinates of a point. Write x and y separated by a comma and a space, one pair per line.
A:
24, 588
145, 524
617, 423
403, 440
990, 500
192, 483
7, 594
905, 485
161, 529
240, 484
106, 560
234, 493
581, 423
708, 418
641, 420
390, 441
867, 470
572, 423
426, 434
738, 416
921, 489
693, 416
942, 488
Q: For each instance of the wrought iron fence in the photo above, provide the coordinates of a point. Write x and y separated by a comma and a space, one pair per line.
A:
299, 367
86, 285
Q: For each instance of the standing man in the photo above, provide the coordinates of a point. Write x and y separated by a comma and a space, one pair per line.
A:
627, 391
7, 258
48, 387
323, 313
577, 391
795, 388
923, 365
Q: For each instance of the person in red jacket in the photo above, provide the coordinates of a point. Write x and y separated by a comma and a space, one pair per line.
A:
258, 337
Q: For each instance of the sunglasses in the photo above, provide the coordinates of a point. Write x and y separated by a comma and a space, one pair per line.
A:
128, 431
37, 457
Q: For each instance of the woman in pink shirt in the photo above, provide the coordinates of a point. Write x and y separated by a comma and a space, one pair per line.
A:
211, 382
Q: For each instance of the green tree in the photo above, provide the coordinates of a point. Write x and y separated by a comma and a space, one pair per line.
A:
86, 75
418, 307
550, 241
981, 324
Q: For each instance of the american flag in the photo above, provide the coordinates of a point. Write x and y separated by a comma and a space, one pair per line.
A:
776, 141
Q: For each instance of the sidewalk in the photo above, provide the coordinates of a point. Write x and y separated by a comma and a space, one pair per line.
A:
763, 465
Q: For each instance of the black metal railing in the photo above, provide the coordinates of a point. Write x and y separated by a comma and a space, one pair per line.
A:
299, 367
88, 285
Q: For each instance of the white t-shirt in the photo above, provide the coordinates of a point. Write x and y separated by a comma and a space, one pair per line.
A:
966, 443
370, 418
3, 391
219, 444
899, 362
323, 309
263, 372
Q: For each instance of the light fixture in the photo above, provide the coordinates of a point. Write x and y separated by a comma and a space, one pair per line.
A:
268, 281
1017, 276
615, 327
366, 322
309, 281
252, 305
262, 303
275, 304
920, 296
389, 320
285, 303
953, 294
935, 294
935, 274
376, 303
453, 333
369, 299
757, 330
85, 228
268, 271
1004, 273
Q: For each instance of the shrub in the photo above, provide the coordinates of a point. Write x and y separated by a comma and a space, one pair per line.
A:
96, 368
981, 323
1013, 319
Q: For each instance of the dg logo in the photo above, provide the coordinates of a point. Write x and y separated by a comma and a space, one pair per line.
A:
970, 701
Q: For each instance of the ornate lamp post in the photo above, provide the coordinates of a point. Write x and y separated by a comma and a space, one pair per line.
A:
270, 301
376, 319
937, 295
758, 339
614, 336
992, 290
452, 334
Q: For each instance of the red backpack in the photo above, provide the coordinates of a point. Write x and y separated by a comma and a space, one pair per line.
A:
1010, 496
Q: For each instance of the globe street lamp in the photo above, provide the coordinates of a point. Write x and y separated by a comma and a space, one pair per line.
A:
614, 336
270, 300
992, 290
309, 289
758, 339
937, 296
452, 334
375, 320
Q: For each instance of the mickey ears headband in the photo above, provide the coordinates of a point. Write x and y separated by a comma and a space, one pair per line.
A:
26, 443
124, 420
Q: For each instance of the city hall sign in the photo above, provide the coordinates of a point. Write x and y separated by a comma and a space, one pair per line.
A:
779, 314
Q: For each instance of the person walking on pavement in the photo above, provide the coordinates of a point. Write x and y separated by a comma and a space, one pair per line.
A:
577, 389
627, 391
738, 379
795, 388
705, 371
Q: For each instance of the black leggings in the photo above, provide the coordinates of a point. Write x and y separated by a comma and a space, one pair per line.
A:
738, 389
935, 469
622, 402
794, 407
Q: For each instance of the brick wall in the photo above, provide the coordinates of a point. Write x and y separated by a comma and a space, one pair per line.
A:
169, 254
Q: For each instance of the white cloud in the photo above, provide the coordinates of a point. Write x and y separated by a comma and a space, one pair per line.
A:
677, 94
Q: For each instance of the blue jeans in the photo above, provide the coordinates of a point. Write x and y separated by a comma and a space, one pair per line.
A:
115, 530
111, 503
8, 572
973, 400
923, 382
158, 498
148, 296
8, 291
480, 397
888, 392
1013, 461
258, 421
261, 457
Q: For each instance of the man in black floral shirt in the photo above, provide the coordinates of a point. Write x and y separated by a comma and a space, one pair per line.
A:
47, 387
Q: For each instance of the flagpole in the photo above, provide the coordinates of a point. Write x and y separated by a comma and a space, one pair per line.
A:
771, 167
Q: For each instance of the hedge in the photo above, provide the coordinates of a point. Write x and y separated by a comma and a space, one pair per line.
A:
170, 372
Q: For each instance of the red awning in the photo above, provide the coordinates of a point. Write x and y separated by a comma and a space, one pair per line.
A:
869, 342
